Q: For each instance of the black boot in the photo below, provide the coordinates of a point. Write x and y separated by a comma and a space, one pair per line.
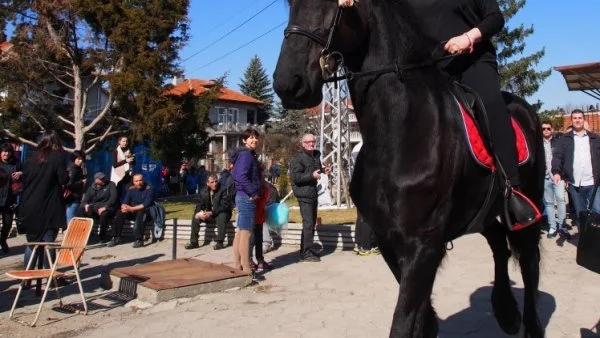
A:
519, 210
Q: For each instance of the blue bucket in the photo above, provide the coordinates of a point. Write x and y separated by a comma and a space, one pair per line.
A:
277, 215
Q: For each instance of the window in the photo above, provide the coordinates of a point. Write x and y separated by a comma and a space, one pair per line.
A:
227, 115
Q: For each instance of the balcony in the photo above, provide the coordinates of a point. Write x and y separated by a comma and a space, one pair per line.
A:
355, 137
232, 128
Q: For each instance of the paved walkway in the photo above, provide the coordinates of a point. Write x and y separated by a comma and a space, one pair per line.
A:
343, 296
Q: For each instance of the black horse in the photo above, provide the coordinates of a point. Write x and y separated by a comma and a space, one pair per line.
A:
415, 180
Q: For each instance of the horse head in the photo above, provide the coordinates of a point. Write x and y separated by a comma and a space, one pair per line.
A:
320, 35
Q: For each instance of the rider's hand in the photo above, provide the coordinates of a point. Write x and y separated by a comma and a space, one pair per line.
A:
458, 44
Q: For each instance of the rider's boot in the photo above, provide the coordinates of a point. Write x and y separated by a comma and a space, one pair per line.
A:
519, 210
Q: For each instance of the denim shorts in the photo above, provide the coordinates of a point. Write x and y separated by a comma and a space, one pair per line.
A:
246, 210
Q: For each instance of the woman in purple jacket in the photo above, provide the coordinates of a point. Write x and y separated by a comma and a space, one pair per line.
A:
246, 174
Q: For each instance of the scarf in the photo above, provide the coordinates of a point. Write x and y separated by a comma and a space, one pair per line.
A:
117, 174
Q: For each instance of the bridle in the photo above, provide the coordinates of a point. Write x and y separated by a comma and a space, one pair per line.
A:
327, 53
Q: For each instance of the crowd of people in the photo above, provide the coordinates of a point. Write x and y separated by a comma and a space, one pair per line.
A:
53, 192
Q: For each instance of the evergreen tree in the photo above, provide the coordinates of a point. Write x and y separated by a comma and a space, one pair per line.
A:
517, 74
66, 54
256, 83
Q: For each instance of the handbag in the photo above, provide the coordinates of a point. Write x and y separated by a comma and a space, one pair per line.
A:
66, 192
588, 248
16, 187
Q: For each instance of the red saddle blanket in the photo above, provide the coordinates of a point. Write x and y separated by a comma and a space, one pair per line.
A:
478, 148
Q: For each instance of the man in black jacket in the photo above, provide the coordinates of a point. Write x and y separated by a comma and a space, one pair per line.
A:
576, 159
214, 208
306, 169
99, 201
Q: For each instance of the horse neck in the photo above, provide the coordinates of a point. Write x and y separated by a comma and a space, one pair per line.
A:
386, 101
392, 40
393, 35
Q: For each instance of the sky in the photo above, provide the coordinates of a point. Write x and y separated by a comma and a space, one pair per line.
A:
568, 30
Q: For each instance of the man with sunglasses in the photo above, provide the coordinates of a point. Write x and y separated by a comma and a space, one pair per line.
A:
553, 192
306, 169
576, 160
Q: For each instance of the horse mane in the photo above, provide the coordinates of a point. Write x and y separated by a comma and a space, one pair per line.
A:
411, 45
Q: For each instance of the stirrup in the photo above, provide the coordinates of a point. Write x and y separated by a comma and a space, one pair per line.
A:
519, 210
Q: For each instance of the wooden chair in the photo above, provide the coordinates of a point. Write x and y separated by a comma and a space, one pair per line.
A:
68, 256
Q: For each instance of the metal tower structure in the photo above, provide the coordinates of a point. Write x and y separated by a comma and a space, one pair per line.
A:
334, 141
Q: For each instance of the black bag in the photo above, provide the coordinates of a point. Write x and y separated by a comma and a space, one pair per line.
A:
588, 248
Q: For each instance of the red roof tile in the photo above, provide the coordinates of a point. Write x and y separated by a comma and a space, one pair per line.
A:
200, 86
4, 46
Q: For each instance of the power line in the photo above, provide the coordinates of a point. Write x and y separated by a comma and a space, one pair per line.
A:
240, 47
231, 31
230, 18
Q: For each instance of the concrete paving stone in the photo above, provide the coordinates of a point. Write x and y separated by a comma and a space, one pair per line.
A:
343, 292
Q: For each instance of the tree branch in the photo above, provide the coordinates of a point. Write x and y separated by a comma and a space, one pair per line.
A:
124, 119
94, 82
101, 138
66, 121
22, 140
100, 116
106, 133
57, 40
68, 132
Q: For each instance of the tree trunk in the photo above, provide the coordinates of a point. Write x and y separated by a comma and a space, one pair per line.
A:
79, 103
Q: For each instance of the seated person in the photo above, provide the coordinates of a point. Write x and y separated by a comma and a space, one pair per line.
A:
138, 199
99, 202
214, 208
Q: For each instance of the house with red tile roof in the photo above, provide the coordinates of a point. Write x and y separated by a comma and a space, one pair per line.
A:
230, 116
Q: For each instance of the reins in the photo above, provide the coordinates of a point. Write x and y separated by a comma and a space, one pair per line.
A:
326, 52
397, 69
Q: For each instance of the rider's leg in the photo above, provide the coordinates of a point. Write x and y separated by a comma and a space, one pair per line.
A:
484, 79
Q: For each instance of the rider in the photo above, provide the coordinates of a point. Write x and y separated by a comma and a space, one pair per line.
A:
465, 27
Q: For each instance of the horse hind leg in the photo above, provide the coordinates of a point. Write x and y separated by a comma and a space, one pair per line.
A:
525, 244
414, 315
504, 305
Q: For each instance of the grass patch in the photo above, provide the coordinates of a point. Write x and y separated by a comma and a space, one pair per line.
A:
185, 210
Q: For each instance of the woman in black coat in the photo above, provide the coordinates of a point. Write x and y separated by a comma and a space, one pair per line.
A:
43, 208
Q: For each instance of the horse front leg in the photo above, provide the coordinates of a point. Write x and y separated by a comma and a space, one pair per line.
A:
526, 243
504, 305
419, 259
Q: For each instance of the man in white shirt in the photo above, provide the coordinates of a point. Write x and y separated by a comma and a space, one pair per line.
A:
576, 160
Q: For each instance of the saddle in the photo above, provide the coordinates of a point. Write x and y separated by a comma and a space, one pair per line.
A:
519, 211
477, 134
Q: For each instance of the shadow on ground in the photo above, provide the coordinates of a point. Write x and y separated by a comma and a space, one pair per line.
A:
90, 277
478, 320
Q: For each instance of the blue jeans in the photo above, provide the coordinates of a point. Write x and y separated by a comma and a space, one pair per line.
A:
246, 211
40, 259
580, 197
555, 193
71, 211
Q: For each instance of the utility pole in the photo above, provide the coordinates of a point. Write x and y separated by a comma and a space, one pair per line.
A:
334, 140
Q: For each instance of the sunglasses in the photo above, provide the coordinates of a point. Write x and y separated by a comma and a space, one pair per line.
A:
310, 141
546, 128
